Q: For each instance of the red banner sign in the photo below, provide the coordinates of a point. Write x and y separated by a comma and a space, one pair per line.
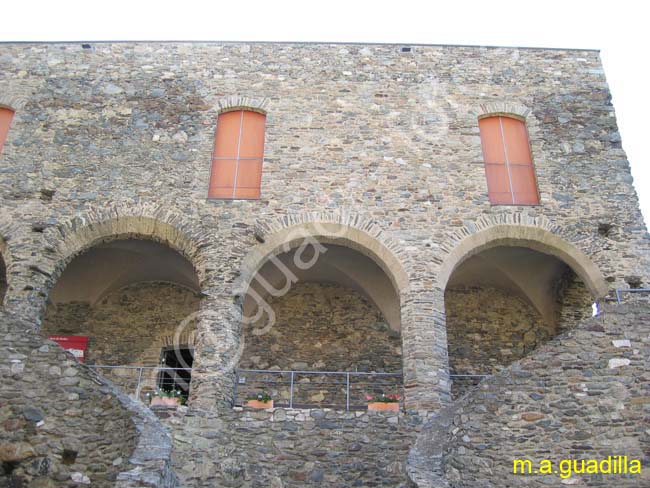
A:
77, 345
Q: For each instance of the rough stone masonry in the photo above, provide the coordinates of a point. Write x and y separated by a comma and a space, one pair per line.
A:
372, 148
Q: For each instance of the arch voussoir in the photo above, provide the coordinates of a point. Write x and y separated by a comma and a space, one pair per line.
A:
516, 230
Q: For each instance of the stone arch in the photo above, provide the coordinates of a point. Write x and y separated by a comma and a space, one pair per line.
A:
73, 237
284, 236
217, 321
12, 99
161, 225
533, 237
319, 234
501, 107
358, 233
423, 373
507, 289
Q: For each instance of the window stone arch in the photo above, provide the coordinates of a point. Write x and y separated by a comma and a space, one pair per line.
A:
241, 102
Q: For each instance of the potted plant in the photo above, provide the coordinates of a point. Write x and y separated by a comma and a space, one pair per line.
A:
259, 400
383, 403
165, 398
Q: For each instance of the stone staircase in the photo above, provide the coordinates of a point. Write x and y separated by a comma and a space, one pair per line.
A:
583, 395
63, 425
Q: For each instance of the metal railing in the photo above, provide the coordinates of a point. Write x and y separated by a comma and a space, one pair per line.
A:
619, 292
293, 389
316, 389
137, 381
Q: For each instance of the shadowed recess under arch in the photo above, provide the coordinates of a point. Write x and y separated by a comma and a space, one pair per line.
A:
344, 255
529, 237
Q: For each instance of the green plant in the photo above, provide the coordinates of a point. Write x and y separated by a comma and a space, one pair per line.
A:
261, 397
383, 398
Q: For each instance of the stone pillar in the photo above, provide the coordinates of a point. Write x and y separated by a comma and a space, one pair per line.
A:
28, 274
218, 347
424, 349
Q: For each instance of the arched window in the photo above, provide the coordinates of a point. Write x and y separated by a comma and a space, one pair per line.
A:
6, 114
508, 163
238, 155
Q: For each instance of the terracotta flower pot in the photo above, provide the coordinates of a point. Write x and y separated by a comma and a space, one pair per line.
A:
383, 406
258, 404
165, 402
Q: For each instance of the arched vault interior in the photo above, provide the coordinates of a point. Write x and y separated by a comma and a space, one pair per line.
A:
502, 303
108, 267
531, 275
338, 265
131, 298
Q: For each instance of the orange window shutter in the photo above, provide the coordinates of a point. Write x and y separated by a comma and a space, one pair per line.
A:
508, 162
520, 162
226, 142
252, 141
238, 155
247, 193
527, 198
222, 179
515, 136
523, 184
496, 171
224, 163
491, 140
249, 178
498, 183
6, 116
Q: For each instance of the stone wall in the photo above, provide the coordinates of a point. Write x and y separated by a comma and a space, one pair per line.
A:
119, 138
115, 141
487, 329
575, 303
59, 425
129, 326
323, 327
284, 448
583, 395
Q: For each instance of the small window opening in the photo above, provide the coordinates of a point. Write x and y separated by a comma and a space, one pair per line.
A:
47, 194
179, 375
3, 281
634, 281
605, 229
8, 467
406, 49
86, 46
69, 456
